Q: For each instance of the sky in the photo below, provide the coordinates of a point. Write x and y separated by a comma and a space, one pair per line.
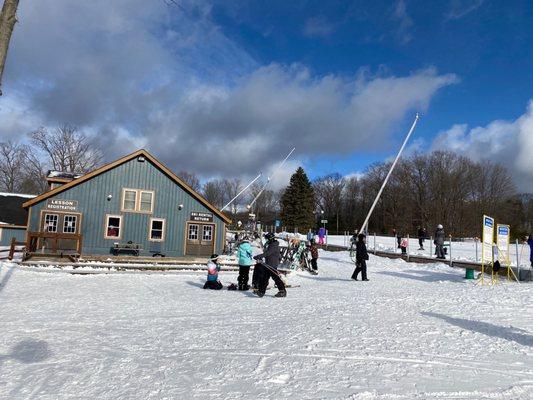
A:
227, 88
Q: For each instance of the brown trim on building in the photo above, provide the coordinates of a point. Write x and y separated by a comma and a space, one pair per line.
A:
118, 162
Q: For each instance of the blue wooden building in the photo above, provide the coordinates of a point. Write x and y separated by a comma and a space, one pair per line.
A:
134, 203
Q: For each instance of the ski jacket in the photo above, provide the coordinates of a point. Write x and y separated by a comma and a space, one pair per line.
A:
321, 232
244, 254
421, 234
405, 243
212, 271
314, 251
271, 254
310, 236
360, 251
530, 242
439, 237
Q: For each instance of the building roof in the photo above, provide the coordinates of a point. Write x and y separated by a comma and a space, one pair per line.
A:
121, 161
11, 210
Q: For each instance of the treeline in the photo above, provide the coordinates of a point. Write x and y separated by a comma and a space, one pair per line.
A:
426, 190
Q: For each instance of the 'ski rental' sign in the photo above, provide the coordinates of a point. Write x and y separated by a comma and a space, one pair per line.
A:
487, 241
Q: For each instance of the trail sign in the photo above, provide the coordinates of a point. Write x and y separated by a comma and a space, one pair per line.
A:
488, 239
324, 221
502, 241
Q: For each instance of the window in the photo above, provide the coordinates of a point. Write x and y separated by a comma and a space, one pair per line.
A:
193, 232
157, 230
130, 199
146, 201
50, 222
70, 223
207, 233
136, 200
113, 228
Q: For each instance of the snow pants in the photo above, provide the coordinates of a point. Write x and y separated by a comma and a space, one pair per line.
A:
421, 242
360, 267
439, 250
264, 274
314, 264
244, 276
213, 285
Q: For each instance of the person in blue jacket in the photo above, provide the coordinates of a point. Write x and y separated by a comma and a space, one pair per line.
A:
245, 258
530, 242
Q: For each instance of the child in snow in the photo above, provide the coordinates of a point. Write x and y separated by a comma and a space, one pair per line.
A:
403, 245
313, 250
245, 256
361, 257
212, 274
321, 235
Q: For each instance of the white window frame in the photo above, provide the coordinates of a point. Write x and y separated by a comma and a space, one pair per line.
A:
138, 196
120, 226
210, 229
75, 222
150, 228
46, 224
197, 233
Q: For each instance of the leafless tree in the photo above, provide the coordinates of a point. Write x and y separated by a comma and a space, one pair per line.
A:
213, 192
8, 18
12, 156
191, 179
231, 188
328, 193
67, 149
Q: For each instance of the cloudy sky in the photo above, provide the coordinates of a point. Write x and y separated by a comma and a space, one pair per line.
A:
227, 88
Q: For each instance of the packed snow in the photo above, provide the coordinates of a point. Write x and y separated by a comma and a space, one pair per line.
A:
414, 331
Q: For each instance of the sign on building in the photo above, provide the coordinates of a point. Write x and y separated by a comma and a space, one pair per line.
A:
62, 205
488, 239
197, 216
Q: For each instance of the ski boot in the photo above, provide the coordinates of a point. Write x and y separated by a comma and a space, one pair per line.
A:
281, 293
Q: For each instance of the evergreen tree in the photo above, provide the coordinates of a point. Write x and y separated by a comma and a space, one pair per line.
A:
298, 203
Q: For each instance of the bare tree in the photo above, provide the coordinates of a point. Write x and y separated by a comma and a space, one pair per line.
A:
191, 179
35, 174
67, 149
12, 157
328, 193
231, 188
8, 18
213, 192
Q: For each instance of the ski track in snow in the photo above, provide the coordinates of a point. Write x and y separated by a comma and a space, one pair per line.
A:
413, 331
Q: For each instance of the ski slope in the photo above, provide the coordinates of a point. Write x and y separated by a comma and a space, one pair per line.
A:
412, 332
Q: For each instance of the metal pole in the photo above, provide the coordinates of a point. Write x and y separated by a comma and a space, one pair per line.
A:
475, 243
517, 259
451, 263
430, 247
241, 192
374, 242
270, 178
408, 247
389, 174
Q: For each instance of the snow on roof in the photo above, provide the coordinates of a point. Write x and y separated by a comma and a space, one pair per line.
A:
26, 196
61, 174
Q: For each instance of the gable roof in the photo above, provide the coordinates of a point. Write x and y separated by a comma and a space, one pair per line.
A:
121, 161
11, 211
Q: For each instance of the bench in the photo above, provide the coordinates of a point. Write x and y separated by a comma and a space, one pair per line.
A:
129, 247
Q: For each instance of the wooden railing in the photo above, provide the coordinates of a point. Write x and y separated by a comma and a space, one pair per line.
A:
52, 242
12, 249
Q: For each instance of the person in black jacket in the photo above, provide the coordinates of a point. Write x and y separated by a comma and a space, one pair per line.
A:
268, 269
421, 237
361, 257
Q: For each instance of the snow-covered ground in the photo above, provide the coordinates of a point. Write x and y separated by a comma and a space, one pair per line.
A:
412, 332
461, 251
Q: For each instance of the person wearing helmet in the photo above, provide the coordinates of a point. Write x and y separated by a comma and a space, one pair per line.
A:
245, 257
360, 258
212, 274
439, 242
268, 268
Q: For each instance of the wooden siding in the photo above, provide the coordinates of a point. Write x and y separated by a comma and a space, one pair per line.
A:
93, 204
6, 233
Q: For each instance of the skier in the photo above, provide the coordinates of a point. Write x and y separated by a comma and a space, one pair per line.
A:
421, 237
268, 268
399, 239
212, 274
439, 242
321, 235
310, 235
314, 256
403, 245
530, 242
245, 256
361, 257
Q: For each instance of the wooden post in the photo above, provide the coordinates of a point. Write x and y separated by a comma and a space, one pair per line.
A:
12, 248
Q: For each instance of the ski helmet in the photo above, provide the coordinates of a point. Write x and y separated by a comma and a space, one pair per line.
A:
439, 226
269, 236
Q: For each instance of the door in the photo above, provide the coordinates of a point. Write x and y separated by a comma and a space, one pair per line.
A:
200, 239
64, 224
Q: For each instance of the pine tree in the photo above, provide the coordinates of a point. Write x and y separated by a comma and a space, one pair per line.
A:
298, 203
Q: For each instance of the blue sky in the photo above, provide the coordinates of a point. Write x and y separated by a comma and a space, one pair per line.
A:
227, 88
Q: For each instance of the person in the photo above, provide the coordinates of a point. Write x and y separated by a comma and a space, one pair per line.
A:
245, 258
439, 242
268, 268
310, 235
212, 274
360, 258
530, 242
399, 239
313, 250
404, 245
421, 237
321, 235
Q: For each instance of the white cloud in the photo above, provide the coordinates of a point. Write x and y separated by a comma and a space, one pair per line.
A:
405, 22
461, 8
509, 143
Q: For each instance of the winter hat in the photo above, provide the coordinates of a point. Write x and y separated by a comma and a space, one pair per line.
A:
269, 236
361, 236
214, 257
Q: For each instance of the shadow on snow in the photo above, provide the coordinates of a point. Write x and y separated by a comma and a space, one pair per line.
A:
425, 276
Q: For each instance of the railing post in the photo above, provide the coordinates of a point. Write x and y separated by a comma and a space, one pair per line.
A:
451, 263
375, 251
430, 247
517, 260
408, 247
12, 248
475, 243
